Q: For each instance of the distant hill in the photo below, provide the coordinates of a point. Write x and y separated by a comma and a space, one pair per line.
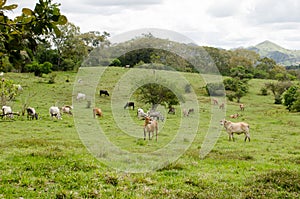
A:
279, 54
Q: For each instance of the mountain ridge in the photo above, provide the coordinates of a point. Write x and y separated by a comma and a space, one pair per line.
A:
280, 54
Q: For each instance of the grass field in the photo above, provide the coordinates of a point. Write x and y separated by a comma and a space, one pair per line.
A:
47, 158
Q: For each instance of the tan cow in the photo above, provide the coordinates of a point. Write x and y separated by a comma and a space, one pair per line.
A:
242, 107
238, 128
150, 126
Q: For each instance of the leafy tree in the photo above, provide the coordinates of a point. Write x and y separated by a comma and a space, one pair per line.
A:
8, 91
245, 58
23, 32
266, 64
237, 85
94, 39
290, 96
277, 89
236, 88
39, 69
215, 89
116, 62
156, 94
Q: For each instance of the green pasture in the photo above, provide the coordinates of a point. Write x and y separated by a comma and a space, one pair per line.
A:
47, 158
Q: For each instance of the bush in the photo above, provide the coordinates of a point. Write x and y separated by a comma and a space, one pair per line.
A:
67, 64
264, 91
39, 69
215, 89
52, 78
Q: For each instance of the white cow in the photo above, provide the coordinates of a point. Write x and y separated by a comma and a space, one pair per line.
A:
6, 110
141, 113
80, 96
238, 128
54, 112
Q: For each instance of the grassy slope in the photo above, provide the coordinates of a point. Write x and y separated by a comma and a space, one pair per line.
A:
46, 158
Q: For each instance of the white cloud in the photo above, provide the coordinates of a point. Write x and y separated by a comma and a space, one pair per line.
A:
226, 23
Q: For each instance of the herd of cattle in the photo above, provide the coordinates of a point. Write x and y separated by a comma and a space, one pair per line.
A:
151, 117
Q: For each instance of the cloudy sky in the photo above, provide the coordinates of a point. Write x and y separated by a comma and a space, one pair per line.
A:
219, 23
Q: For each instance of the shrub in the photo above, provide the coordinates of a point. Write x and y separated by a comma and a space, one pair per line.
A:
215, 89
52, 78
264, 91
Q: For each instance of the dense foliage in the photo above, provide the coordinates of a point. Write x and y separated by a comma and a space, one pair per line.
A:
42, 35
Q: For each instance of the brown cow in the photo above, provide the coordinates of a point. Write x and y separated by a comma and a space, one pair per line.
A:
97, 112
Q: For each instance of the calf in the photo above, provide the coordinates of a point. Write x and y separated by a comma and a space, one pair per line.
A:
150, 126
215, 101
242, 107
236, 115
104, 92
31, 114
54, 112
238, 128
67, 109
129, 104
222, 106
171, 110
97, 112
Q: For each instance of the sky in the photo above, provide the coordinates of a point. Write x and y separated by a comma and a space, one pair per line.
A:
217, 23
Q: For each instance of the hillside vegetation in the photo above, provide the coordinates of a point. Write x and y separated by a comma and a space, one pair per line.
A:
46, 158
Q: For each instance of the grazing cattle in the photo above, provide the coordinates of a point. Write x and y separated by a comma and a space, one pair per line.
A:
80, 96
191, 110
242, 107
150, 126
185, 112
31, 113
18, 86
97, 112
238, 128
215, 101
236, 115
156, 114
55, 112
7, 111
104, 92
67, 109
141, 113
222, 106
171, 110
129, 104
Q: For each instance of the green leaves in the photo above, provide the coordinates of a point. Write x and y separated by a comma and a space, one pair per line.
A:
23, 33
9, 7
27, 11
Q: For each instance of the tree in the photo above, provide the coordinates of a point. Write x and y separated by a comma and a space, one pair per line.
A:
237, 86
157, 94
23, 32
290, 96
277, 89
8, 91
